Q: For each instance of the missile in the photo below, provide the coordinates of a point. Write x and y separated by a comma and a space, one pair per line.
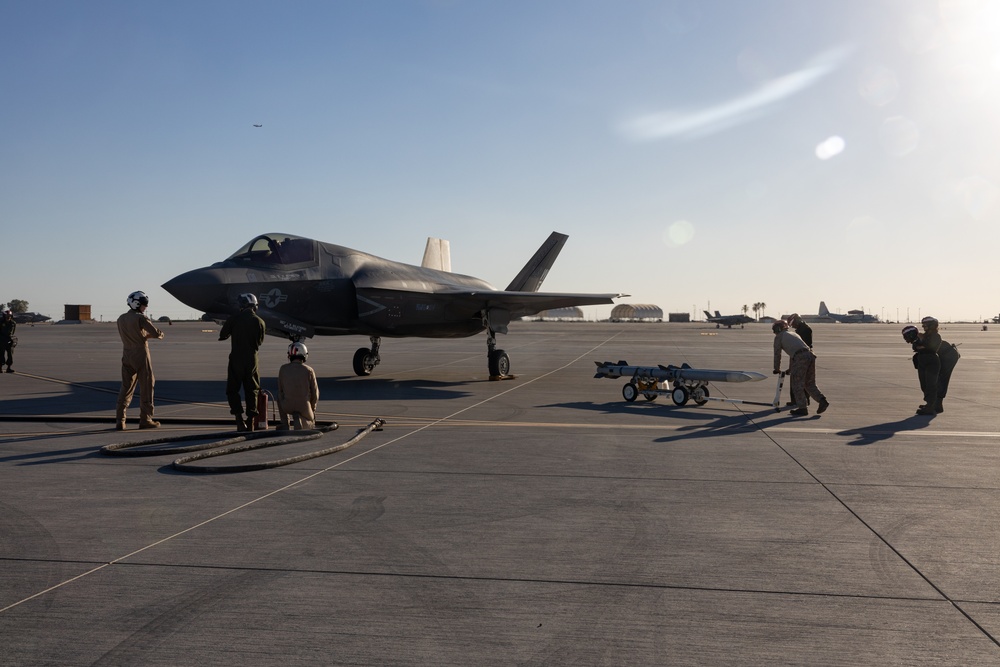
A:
607, 369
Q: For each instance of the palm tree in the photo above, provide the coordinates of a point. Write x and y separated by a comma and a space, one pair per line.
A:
762, 307
756, 308
745, 308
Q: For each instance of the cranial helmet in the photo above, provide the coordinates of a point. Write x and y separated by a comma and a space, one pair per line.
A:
247, 301
136, 299
7, 311
910, 334
929, 321
779, 325
297, 351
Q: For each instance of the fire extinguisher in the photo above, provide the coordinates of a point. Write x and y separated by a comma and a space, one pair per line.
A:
260, 420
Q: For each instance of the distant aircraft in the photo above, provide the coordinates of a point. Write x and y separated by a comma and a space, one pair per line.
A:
306, 287
255, 125
30, 318
727, 320
851, 317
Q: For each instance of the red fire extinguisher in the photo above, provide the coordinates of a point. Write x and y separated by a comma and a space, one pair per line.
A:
260, 420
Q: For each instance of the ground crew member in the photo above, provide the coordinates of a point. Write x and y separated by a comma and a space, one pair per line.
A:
934, 360
137, 366
298, 393
928, 364
7, 328
801, 368
805, 332
247, 332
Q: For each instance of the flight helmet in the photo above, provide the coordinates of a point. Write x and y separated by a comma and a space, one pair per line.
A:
779, 325
137, 299
247, 301
297, 351
929, 322
910, 334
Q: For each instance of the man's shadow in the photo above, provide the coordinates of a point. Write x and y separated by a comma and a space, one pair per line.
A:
869, 435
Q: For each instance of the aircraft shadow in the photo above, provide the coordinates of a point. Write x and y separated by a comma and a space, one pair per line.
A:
101, 396
869, 435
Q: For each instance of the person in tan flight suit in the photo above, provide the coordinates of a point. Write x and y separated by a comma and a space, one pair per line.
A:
801, 368
137, 366
298, 393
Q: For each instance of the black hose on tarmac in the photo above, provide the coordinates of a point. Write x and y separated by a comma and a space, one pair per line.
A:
241, 442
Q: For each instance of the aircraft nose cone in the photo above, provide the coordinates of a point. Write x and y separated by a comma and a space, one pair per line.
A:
204, 289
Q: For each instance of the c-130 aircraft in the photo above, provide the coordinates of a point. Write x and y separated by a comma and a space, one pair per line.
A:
306, 287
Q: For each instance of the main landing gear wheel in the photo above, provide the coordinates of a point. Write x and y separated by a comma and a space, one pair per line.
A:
680, 395
364, 361
499, 363
630, 392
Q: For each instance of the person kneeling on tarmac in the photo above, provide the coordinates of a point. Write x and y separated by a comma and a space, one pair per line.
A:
298, 393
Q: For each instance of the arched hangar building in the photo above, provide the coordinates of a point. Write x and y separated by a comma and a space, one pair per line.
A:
631, 312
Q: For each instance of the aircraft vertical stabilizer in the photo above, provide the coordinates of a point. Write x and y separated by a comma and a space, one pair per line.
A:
823, 310
437, 255
531, 276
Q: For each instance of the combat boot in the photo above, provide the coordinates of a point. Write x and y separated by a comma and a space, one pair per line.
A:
240, 424
149, 423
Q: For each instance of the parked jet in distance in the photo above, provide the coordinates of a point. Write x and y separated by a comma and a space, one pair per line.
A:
306, 287
727, 320
30, 318
851, 317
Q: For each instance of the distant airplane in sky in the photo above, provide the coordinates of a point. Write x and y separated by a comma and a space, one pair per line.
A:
255, 125
727, 320
306, 287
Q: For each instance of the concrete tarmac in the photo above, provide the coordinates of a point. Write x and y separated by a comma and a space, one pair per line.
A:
541, 520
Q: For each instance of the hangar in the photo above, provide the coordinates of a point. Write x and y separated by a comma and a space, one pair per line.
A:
636, 312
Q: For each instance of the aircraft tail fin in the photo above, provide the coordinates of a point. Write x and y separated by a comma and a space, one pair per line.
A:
437, 255
718, 314
531, 276
823, 310
708, 315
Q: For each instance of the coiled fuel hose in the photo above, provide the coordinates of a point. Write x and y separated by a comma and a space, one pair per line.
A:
243, 442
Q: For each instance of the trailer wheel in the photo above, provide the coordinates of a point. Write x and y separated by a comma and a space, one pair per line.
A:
700, 395
630, 392
680, 395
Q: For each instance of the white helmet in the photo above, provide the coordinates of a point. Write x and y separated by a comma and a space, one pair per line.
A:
247, 300
297, 351
136, 299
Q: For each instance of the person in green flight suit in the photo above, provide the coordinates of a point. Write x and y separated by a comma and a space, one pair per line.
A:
246, 330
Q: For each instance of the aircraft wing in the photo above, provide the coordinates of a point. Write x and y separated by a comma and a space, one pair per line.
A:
522, 304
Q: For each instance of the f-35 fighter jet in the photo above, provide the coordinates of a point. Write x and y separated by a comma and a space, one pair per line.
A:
306, 287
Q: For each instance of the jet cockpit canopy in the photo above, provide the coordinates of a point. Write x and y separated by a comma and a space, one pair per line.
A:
270, 250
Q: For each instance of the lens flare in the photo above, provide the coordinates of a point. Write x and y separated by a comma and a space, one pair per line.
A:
678, 234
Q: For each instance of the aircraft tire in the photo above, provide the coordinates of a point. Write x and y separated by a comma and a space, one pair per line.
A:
700, 395
364, 363
499, 363
680, 395
630, 392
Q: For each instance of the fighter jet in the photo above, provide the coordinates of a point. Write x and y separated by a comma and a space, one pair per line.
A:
30, 318
256, 125
727, 320
306, 287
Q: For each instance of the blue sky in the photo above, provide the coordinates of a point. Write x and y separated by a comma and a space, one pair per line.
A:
697, 153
